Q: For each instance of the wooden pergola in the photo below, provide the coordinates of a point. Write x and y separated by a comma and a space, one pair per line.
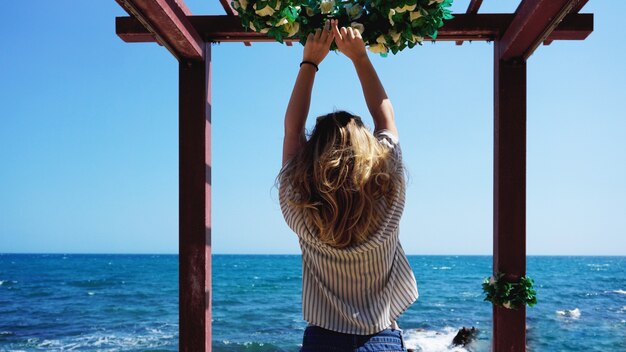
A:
516, 36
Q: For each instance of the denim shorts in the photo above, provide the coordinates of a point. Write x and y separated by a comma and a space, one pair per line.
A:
317, 339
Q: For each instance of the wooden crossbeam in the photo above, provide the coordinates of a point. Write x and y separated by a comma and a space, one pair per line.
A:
480, 27
231, 12
167, 22
579, 6
472, 9
534, 22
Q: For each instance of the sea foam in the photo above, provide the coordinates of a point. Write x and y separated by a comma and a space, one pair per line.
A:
436, 341
573, 313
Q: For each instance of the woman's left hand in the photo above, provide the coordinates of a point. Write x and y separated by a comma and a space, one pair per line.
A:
318, 44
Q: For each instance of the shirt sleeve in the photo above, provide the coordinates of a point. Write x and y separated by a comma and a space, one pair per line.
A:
390, 140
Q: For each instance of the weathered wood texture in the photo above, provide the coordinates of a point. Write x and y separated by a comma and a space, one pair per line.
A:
167, 22
232, 12
195, 204
463, 27
534, 22
472, 9
509, 194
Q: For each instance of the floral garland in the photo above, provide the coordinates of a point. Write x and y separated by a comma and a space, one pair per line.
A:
385, 25
509, 294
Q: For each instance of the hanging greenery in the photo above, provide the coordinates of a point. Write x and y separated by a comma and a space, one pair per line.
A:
385, 25
511, 295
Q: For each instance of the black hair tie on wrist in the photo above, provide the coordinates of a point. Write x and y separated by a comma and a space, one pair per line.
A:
310, 63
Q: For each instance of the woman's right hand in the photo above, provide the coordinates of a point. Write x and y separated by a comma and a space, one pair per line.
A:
349, 41
318, 44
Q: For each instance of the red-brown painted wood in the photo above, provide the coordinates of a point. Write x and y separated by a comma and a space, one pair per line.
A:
168, 23
579, 6
534, 21
195, 204
474, 6
479, 27
472, 9
509, 194
232, 12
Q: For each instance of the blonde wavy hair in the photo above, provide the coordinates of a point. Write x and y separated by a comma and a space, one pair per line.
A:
339, 177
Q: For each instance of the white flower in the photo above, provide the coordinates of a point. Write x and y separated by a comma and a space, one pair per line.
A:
378, 48
251, 25
281, 22
358, 26
278, 4
395, 36
391, 13
265, 11
415, 15
381, 39
492, 281
435, 1
326, 6
405, 8
292, 28
507, 304
310, 12
354, 11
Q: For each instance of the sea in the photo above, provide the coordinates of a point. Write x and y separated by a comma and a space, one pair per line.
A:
119, 302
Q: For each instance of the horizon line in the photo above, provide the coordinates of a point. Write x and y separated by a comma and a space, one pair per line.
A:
298, 254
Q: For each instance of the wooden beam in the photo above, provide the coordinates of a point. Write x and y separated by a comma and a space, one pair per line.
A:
228, 8
534, 21
167, 23
472, 9
474, 6
509, 194
232, 12
195, 204
579, 6
480, 27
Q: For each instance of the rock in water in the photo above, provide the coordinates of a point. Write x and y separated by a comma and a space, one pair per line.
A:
465, 336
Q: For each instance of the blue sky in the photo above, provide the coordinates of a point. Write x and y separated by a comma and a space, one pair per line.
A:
89, 150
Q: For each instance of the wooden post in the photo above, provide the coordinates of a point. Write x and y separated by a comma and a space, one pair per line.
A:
509, 194
195, 203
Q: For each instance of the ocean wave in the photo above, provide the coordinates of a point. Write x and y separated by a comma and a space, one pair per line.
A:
598, 267
114, 342
442, 267
621, 292
573, 313
232, 346
440, 341
96, 283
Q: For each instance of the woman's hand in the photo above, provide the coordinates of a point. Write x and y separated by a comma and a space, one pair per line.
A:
349, 42
318, 44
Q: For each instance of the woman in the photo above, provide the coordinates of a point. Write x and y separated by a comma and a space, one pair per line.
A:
342, 192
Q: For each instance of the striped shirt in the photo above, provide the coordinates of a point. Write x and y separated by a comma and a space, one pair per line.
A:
361, 289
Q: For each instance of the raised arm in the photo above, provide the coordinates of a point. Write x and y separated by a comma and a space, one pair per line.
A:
315, 51
350, 42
